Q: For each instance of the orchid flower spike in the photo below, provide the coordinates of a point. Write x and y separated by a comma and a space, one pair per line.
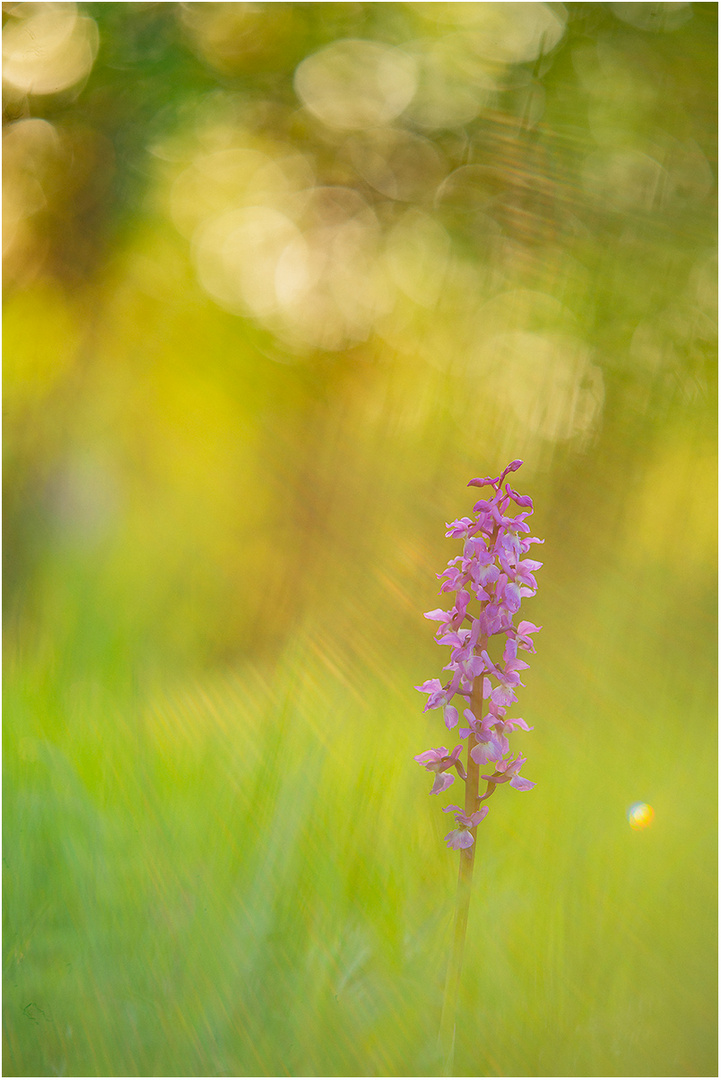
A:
491, 579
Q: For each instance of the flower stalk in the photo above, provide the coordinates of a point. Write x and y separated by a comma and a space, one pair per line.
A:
491, 578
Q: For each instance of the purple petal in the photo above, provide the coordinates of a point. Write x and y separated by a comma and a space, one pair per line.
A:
429, 686
520, 722
450, 716
521, 784
512, 596
459, 838
431, 755
481, 753
442, 781
502, 695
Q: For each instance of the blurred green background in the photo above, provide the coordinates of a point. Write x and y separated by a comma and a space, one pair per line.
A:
279, 279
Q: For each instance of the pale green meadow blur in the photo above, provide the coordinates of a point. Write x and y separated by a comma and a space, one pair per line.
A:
279, 280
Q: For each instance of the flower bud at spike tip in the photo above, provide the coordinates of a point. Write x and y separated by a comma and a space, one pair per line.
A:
491, 579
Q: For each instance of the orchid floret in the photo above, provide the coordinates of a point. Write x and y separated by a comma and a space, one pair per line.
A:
463, 837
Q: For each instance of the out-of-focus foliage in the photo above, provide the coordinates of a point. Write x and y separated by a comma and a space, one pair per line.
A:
279, 279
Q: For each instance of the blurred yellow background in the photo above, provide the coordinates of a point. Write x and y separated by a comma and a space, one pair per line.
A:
279, 280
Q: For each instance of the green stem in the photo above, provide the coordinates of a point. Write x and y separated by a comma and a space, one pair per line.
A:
447, 1036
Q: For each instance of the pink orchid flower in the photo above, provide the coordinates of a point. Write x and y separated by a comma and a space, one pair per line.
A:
463, 838
507, 772
440, 761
